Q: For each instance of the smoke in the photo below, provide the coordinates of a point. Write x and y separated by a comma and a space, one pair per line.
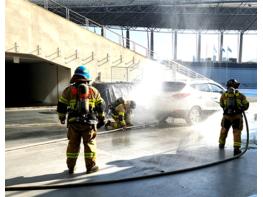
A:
147, 90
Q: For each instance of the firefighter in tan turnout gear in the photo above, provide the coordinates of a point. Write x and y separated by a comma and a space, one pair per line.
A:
84, 108
233, 103
121, 111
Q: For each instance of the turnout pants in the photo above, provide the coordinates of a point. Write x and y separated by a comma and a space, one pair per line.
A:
114, 124
236, 121
117, 124
76, 131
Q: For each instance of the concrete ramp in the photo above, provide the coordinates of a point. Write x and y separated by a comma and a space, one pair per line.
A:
44, 48
31, 29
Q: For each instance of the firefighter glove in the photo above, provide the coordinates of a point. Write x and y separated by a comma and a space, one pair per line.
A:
62, 119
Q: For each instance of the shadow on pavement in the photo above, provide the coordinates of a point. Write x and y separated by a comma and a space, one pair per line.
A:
120, 169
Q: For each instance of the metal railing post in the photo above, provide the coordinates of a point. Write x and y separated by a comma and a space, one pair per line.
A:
76, 54
67, 13
58, 52
16, 47
102, 31
38, 50
46, 4
86, 22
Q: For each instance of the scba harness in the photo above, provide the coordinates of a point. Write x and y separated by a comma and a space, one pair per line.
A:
232, 103
83, 109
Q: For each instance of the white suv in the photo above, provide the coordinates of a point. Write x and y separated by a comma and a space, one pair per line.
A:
190, 100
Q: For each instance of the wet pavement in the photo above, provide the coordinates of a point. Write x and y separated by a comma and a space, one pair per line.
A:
36, 141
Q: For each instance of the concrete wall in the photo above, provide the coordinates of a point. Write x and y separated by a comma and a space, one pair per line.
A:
30, 26
52, 42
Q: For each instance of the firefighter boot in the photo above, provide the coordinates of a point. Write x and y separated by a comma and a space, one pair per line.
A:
108, 125
237, 151
221, 146
93, 169
71, 170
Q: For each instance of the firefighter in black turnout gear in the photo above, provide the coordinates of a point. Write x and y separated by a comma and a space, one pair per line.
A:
84, 108
234, 104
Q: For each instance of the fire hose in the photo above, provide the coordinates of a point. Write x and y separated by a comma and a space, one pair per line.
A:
122, 180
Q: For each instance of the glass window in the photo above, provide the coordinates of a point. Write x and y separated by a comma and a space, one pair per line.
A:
172, 86
201, 87
216, 88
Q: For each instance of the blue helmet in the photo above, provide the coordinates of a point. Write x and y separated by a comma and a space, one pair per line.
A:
83, 71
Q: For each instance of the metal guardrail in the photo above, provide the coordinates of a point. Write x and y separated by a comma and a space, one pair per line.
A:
104, 31
92, 26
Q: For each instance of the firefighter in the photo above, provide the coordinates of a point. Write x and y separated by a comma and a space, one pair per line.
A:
233, 103
121, 113
84, 108
113, 105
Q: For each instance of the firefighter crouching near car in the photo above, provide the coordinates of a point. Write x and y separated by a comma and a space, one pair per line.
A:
85, 109
233, 104
121, 113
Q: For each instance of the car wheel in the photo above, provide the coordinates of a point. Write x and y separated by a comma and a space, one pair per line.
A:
194, 115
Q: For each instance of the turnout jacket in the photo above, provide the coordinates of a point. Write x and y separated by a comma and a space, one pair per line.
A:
122, 110
240, 102
68, 101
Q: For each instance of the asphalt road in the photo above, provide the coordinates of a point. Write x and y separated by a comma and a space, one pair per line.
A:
122, 155
25, 126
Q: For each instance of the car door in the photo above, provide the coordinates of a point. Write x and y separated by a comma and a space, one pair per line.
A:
206, 101
216, 92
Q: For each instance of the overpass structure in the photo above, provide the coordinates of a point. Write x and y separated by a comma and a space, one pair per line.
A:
42, 49
40, 43
197, 15
173, 14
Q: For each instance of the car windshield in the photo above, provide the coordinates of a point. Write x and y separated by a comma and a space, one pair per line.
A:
172, 86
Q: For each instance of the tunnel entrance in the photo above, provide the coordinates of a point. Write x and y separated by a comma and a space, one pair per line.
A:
31, 81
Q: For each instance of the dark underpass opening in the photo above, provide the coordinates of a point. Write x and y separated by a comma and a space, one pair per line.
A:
33, 82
